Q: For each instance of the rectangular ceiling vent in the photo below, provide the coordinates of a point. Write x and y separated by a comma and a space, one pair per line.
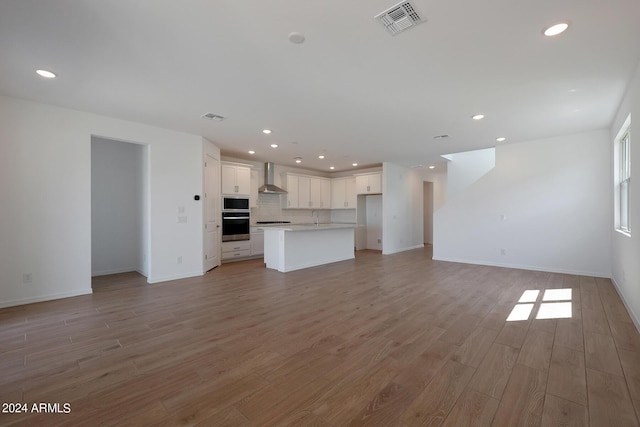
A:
399, 18
211, 116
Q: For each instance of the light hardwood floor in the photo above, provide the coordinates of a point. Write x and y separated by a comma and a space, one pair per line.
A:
396, 340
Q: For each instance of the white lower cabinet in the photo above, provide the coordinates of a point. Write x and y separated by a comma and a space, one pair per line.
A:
257, 243
233, 250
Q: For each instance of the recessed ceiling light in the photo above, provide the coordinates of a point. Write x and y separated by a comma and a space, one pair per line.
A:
432, 167
296, 38
555, 29
252, 152
267, 131
478, 117
354, 164
46, 74
321, 156
298, 159
501, 139
332, 167
274, 145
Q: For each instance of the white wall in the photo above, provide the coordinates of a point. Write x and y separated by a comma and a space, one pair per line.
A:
402, 221
45, 188
427, 203
625, 249
464, 169
116, 207
555, 196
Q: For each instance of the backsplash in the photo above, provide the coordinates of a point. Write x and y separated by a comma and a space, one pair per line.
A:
270, 209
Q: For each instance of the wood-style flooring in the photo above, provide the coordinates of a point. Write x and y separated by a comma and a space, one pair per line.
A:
397, 340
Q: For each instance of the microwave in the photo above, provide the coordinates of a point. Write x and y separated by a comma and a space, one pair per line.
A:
235, 203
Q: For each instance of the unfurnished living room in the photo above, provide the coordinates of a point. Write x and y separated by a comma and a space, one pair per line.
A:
249, 213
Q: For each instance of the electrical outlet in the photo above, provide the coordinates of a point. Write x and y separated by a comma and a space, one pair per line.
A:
27, 278
379, 240
503, 251
179, 260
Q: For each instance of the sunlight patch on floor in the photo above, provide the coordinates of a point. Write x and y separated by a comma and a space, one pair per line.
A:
556, 305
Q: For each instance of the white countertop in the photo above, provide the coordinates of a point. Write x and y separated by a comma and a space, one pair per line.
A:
305, 227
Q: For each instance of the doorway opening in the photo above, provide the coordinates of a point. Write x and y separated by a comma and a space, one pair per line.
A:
369, 222
119, 213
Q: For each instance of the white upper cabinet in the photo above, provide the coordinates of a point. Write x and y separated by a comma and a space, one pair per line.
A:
307, 192
256, 182
369, 183
291, 200
325, 193
304, 192
343, 193
236, 179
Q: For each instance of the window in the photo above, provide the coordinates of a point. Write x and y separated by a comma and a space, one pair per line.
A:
624, 180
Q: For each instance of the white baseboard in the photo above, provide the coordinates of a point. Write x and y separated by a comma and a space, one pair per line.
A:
42, 298
526, 267
176, 277
114, 271
410, 248
636, 321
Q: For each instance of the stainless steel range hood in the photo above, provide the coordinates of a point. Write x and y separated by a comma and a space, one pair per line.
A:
269, 186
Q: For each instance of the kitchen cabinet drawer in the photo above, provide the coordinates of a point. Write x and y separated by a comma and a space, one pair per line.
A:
231, 250
244, 245
244, 253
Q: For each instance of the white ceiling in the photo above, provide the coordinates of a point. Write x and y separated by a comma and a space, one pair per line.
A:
351, 90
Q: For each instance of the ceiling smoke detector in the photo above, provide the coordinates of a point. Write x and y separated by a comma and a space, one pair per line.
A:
400, 17
211, 116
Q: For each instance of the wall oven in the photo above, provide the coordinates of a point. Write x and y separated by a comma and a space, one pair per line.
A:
236, 219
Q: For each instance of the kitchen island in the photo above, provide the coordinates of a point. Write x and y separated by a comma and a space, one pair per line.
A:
296, 246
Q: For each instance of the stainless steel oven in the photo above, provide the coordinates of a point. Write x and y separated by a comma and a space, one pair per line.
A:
236, 225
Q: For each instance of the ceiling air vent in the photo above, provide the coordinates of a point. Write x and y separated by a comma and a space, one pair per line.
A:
211, 116
399, 17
